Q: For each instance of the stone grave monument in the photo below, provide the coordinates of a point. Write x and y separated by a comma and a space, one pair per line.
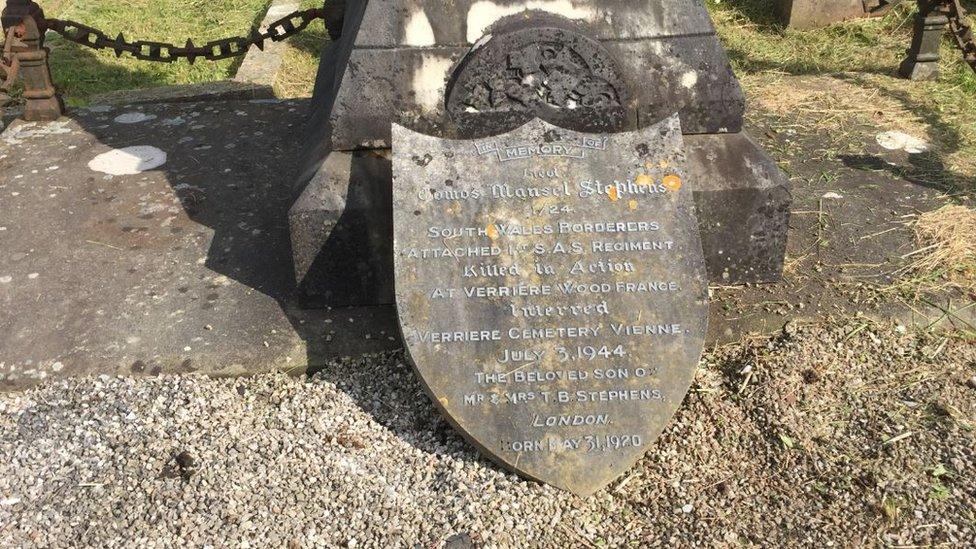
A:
472, 68
544, 189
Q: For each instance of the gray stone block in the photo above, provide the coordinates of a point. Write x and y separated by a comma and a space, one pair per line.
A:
412, 23
683, 74
743, 201
808, 14
396, 59
342, 230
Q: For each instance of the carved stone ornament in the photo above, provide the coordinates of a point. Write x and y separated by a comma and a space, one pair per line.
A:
551, 73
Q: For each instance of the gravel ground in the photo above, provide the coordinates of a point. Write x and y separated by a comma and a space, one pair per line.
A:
844, 434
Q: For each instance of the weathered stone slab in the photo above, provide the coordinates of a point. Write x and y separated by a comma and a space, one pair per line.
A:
551, 290
808, 14
185, 267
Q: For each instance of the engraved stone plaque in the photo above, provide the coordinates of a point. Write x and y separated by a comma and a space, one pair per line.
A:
551, 291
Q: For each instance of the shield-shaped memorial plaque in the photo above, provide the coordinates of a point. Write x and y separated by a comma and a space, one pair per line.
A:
551, 291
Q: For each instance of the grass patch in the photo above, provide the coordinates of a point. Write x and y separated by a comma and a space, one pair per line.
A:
946, 258
848, 73
81, 72
296, 78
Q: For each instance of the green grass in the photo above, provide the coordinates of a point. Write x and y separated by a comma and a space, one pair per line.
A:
863, 56
80, 72
757, 43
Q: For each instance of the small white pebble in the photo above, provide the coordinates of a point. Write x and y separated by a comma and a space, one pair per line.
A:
687, 508
32, 276
6, 279
187, 349
133, 118
57, 366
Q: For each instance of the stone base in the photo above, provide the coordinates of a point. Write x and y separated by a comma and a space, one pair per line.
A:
342, 234
46, 109
743, 203
341, 231
808, 14
919, 70
922, 62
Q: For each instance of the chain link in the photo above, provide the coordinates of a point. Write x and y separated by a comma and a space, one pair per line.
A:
165, 52
298, 21
961, 30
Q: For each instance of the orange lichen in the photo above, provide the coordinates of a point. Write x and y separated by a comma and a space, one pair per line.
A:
672, 182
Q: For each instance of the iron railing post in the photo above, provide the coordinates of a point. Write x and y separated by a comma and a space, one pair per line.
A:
922, 62
27, 20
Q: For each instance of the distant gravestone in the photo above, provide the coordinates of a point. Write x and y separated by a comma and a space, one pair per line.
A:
808, 14
552, 291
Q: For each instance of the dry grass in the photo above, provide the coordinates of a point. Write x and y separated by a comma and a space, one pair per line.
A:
301, 59
843, 84
948, 240
946, 258
833, 103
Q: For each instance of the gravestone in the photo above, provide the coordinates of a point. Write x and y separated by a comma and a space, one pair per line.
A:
809, 14
551, 291
460, 69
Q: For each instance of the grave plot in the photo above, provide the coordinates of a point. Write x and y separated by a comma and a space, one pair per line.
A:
675, 321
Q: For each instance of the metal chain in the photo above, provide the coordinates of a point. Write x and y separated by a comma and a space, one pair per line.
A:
961, 30
165, 52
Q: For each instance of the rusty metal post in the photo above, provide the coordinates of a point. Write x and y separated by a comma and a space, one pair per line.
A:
14, 12
42, 100
922, 62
